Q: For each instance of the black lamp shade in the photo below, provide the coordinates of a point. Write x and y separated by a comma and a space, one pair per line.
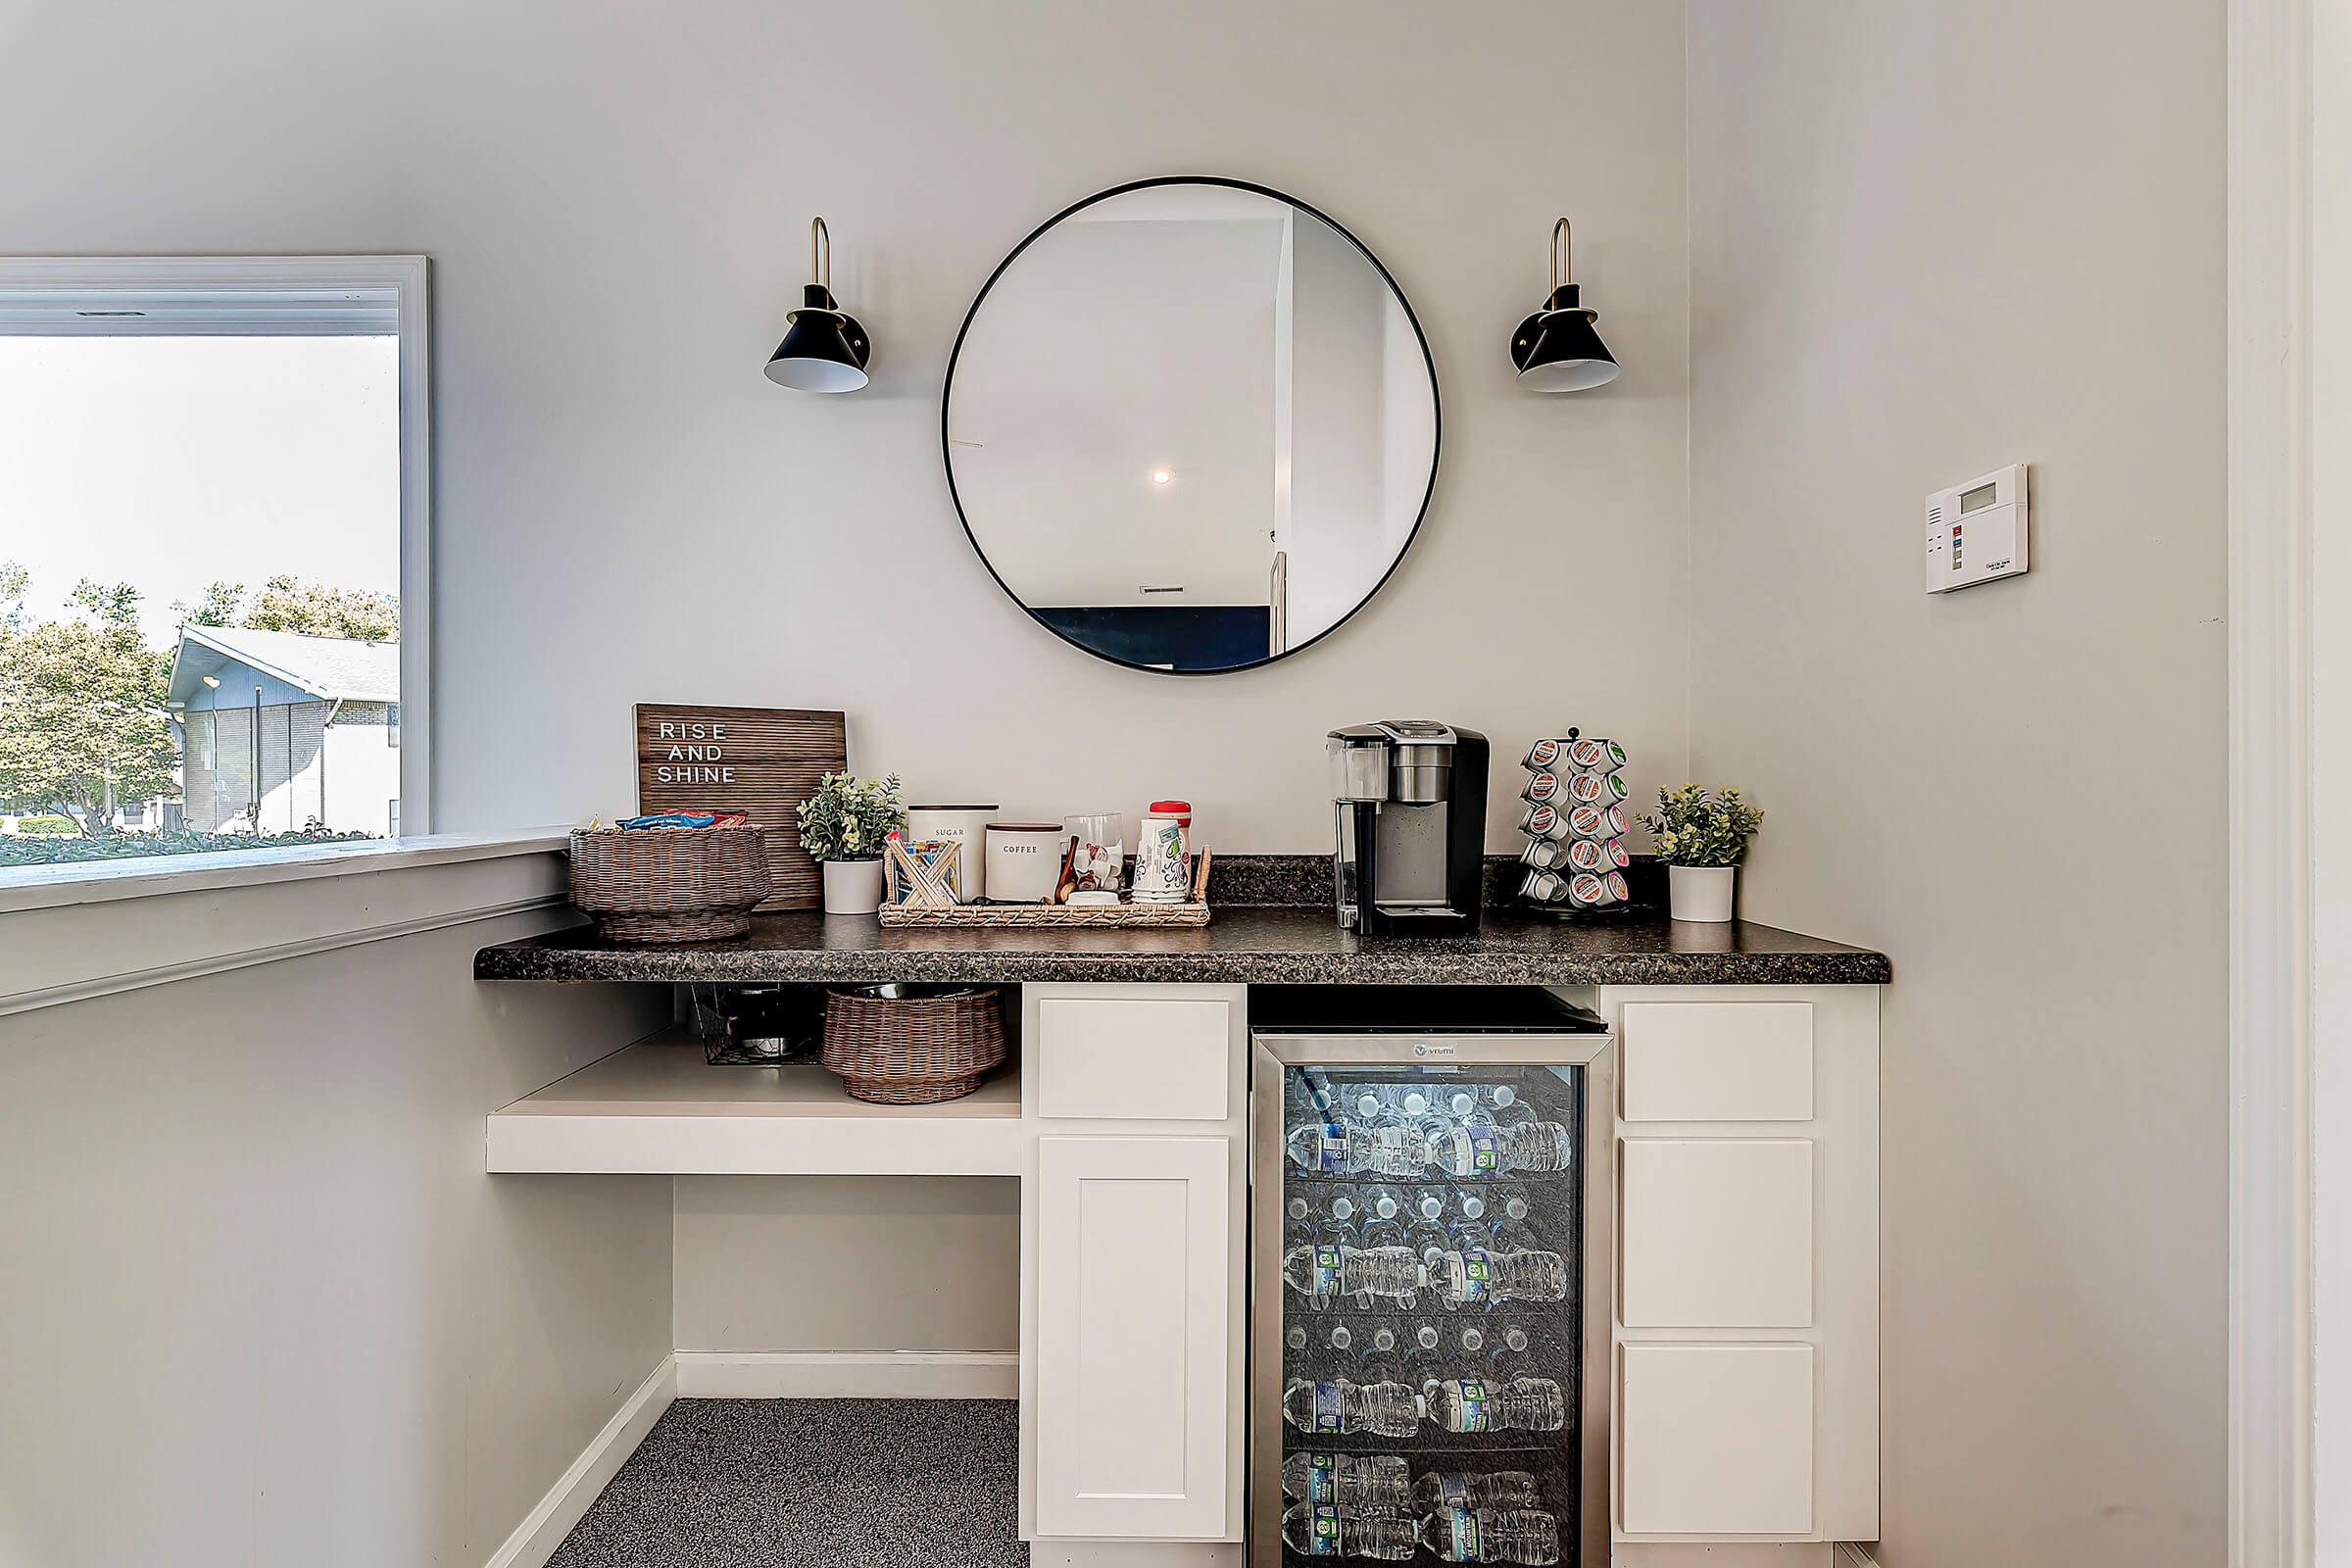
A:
825, 350
1557, 350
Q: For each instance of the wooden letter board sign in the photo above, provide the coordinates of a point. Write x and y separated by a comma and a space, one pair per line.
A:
763, 762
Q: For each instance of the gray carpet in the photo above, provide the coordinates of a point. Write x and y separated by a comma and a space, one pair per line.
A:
763, 1483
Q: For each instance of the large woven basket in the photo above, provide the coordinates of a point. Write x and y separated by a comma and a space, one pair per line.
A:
913, 1044
670, 885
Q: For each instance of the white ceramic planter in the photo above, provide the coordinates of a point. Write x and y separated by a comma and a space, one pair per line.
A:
853, 887
1697, 892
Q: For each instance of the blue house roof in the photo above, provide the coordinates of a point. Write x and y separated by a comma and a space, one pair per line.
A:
287, 666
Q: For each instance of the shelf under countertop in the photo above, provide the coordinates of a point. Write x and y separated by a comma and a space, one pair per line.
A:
1253, 944
658, 1108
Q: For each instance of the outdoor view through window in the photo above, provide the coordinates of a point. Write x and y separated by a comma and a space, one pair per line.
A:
198, 593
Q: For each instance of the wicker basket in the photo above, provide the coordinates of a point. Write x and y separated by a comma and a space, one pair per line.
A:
670, 885
913, 1044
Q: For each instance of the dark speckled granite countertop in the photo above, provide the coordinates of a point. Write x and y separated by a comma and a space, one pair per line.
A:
1262, 945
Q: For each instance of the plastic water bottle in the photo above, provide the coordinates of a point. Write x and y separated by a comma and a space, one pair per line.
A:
1325, 1530
1465, 1100
1317, 1084
1384, 1409
1363, 1481
1379, 1102
1512, 1347
1482, 1151
1324, 1273
1295, 1337
1479, 1278
1453, 1488
1483, 1404
1474, 1343
1491, 1535
1349, 1148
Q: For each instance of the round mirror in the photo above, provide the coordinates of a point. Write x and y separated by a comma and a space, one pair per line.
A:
1191, 426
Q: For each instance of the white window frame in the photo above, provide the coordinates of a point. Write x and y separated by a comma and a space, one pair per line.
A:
276, 296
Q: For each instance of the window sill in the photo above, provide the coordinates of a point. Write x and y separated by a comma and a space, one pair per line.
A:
44, 887
84, 931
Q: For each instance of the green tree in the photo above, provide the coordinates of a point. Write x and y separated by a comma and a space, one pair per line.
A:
285, 603
81, 704
288, 604
220, 606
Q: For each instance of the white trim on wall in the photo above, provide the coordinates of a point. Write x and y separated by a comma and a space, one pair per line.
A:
282, 296
2269, 1441
849, 1374
544, 1528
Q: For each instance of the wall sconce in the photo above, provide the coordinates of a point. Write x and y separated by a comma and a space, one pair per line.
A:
1556, 349
826, 350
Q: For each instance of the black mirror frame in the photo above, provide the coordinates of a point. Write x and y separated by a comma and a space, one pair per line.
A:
1437, 415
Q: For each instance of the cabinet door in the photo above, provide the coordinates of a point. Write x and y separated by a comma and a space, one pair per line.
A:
1716, 1440
1132, 1339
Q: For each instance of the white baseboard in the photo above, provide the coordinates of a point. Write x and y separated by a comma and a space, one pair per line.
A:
544, 1528
849, 1374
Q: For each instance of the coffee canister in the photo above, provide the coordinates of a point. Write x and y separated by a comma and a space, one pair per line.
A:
1024, 861
966, 827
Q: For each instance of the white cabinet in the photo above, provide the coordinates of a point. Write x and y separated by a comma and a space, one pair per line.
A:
1718, 1439
1133, 1238
1717, 1233
1134, 1271
1745, 1401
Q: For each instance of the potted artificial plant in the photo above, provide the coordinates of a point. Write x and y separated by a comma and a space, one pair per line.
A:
844, 825
1702, 836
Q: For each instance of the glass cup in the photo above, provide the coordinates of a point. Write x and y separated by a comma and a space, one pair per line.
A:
1102, 854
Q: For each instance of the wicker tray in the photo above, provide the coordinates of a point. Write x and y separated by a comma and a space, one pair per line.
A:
1060, 916
682, 885
1045, 915
912, 1050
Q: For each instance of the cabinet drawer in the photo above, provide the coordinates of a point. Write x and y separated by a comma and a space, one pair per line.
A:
1716, 1233
1718, 1061
1134, 1058
1717, 1440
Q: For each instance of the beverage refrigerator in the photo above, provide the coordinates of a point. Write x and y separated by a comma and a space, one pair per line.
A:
1429, 1260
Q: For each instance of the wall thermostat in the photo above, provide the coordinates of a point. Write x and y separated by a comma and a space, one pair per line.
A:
1976, 531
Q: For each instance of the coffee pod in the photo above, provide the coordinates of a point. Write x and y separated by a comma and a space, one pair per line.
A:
1616, 884
1543, 822
1596, 755
1589, 788
1542, 788
1543, 887
1545, 855
1585, 855
1587, 888
1543, 756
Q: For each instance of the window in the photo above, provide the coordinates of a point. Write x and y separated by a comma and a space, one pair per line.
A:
227, 592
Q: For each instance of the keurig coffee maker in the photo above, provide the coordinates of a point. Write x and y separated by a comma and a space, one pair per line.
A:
1410, 797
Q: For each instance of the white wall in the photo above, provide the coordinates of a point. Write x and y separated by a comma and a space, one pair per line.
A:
617, 203
1929, 241
258, 1303
854, 1263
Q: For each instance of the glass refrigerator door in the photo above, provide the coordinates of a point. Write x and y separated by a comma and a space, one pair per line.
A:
1432, 1312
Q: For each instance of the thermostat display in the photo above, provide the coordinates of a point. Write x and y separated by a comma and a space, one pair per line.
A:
1976, 531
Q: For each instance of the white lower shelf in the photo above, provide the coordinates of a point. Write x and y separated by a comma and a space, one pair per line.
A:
657, 1107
